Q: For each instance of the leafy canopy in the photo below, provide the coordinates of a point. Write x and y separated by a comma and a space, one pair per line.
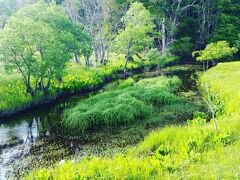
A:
215, 51
135, 35
37, 42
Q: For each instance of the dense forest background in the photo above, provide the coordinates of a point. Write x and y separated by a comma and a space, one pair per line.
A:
38, 39
180, 26
95, 77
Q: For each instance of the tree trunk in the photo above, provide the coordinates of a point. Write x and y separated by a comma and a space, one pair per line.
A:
86, 61
101, 44
95, 51
163, 36
77, 58
127, 57
46, 88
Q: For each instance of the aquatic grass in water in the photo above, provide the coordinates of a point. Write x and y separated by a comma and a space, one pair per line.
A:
118, 109
172, 153
123, 106
175, 152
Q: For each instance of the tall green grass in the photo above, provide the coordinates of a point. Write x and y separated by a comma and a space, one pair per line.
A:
76, 78
175, 153
193, 151
13, 92
122, 106
225, 82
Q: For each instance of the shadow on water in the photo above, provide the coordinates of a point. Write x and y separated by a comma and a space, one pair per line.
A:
36, 139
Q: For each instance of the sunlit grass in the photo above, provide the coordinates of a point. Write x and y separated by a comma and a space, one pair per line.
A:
77, 77
175, 152
123, 106
12, 92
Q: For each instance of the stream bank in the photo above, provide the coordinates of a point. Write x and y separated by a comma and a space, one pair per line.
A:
51, 99
35, 139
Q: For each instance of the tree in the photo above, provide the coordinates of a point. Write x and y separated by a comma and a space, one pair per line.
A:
228, 23
212, 101
160, 59
38, 42
182, 47
100, 19
207, 12
167, 15
237, 42
134, 37
9, 7
214, 51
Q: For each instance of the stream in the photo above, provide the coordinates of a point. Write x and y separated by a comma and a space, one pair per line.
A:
35, 139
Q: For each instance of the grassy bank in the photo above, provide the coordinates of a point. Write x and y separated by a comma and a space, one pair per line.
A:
193, 151
13, 93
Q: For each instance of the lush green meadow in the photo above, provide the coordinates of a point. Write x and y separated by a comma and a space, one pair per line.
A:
195, 150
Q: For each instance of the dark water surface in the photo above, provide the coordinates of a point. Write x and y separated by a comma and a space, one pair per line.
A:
35, 139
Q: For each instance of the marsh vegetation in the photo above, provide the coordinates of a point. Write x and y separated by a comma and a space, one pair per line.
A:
109, 89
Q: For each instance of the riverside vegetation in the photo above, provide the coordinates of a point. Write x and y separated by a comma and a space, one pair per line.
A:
57, 48
190, 151
76, 78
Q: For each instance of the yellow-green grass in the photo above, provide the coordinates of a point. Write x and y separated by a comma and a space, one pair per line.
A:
175, 152
225, 80
76, 78
13, 92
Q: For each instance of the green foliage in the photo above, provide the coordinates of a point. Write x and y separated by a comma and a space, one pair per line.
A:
162, 151
123, 106
174, 152
237, 42
224, 81
76, 78
129, 82
13, 92
199, 119
182, 47
155, 57
37, 42
134, 38
228, 25
215, 51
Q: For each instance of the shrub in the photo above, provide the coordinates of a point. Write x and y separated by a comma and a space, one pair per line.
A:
199, 119
162, 151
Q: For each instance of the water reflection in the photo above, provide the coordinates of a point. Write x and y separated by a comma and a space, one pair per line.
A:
19, 135
27, 131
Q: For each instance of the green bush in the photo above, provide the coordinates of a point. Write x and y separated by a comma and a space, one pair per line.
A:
12, 92
199, 119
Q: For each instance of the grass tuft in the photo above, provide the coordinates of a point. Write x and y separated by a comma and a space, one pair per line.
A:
124, 106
